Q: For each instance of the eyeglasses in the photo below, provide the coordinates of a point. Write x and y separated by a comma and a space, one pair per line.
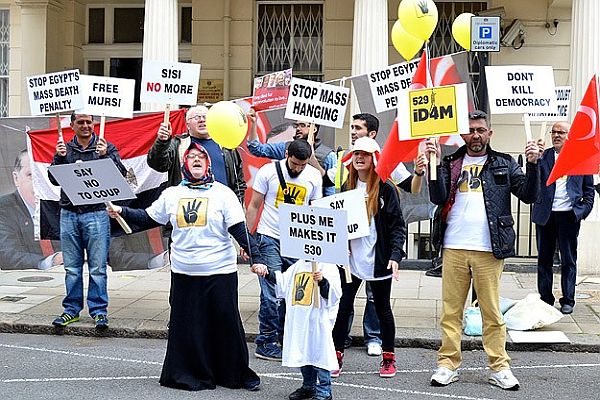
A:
199, 156
481, 130
561, 133
197, 117
299, 125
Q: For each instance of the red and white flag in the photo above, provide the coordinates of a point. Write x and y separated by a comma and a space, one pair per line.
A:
580, 155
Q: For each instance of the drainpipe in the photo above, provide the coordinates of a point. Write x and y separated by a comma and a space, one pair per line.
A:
226, 47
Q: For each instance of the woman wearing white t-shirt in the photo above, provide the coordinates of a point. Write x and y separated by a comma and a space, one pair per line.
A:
206, 343
375, 257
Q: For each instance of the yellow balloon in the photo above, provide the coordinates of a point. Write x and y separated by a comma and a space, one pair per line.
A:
461, 30
418, 17
227, 124
405, 43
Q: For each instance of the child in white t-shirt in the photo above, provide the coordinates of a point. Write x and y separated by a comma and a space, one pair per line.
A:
307, 338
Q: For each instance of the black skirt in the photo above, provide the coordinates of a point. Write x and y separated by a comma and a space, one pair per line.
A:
206, 344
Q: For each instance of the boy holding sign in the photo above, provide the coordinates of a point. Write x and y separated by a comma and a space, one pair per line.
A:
84, 228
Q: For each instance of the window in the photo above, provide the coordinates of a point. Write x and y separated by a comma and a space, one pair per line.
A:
290, 36
128, 25
4, 49
96, 67
96, 25
186, 25
442, 43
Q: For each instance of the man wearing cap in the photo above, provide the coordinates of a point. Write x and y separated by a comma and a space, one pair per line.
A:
322, 158
474, 226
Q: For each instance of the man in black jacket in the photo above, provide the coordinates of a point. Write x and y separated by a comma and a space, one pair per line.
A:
166, 153
84, 228
476, 233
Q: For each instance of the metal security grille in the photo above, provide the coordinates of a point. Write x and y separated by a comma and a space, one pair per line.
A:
442, 43
4, 49
290, 35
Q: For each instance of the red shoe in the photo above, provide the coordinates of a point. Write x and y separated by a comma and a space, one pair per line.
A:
388, 365
340, 358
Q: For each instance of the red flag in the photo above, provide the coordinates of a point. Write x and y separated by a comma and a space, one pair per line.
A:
580, 154
395, 151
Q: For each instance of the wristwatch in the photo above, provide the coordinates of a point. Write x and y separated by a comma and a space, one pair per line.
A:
420, 174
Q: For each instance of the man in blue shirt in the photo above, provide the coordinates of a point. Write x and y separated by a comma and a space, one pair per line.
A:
323, 158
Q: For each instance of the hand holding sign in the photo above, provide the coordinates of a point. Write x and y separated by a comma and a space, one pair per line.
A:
532, 152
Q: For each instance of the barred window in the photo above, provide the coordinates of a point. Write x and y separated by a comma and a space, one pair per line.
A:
290, 35
4, 49
442, 43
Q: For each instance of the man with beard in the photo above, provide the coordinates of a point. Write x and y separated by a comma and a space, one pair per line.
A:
291, 181
557, 216
475, 230
322, 158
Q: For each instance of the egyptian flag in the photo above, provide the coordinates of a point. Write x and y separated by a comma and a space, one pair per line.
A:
580, 155
132, 138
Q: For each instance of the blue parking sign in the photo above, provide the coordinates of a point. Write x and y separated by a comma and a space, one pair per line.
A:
485, 32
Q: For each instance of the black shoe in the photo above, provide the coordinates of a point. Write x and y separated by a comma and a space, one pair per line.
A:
566, 309
302, 393
436, 272
330, 397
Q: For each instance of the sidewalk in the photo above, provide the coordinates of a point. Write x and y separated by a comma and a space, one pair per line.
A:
30, 300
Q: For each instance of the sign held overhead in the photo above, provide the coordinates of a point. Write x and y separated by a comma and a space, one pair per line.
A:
55, 92
317, 102
170, 82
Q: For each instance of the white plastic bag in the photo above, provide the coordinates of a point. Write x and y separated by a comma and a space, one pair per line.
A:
531, 313
472, 323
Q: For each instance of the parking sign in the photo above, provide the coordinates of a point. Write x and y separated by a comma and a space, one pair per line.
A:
485, 33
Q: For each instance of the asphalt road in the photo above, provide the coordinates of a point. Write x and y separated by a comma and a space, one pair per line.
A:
52, 367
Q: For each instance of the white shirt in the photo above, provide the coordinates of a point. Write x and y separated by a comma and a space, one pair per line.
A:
399, 174
304, 188
561, 201
307, 337
200, 218
467, 220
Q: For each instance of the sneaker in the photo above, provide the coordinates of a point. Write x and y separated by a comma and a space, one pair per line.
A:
388, 365
340, 358
65, 319
330, 397
268, 351
101, 322
443, 377
252, 385
504, 379
302, 393
373, 349
566, 309
435, 272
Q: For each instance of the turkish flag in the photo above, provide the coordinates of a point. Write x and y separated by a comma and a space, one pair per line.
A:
580, 155
395, 151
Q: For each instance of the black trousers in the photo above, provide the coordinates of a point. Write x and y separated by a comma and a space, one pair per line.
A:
562, 227
381, 297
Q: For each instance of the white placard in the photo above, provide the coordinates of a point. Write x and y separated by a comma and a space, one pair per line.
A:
55, 92
520, 89
170, 82
386, 83
317, 102
563, 101
92, 182
313, 234
111, 97
353, 201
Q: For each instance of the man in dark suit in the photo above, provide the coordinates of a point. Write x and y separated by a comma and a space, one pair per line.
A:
18, 248
557, 215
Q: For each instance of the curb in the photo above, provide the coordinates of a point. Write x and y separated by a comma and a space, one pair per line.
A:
432, 342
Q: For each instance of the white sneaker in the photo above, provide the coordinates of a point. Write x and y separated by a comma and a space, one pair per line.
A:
373, 349
443, 377
504, 379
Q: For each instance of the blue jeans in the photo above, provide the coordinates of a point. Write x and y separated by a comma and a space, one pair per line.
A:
371, 328
318, 379
90, 232
271, 312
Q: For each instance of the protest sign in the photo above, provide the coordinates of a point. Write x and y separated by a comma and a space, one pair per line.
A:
92, 182
314, 234
435, 111
271, 90
107, 96
317, 102
353, 201
55, 92
170, 82
520, 89
563, 100
386, 83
